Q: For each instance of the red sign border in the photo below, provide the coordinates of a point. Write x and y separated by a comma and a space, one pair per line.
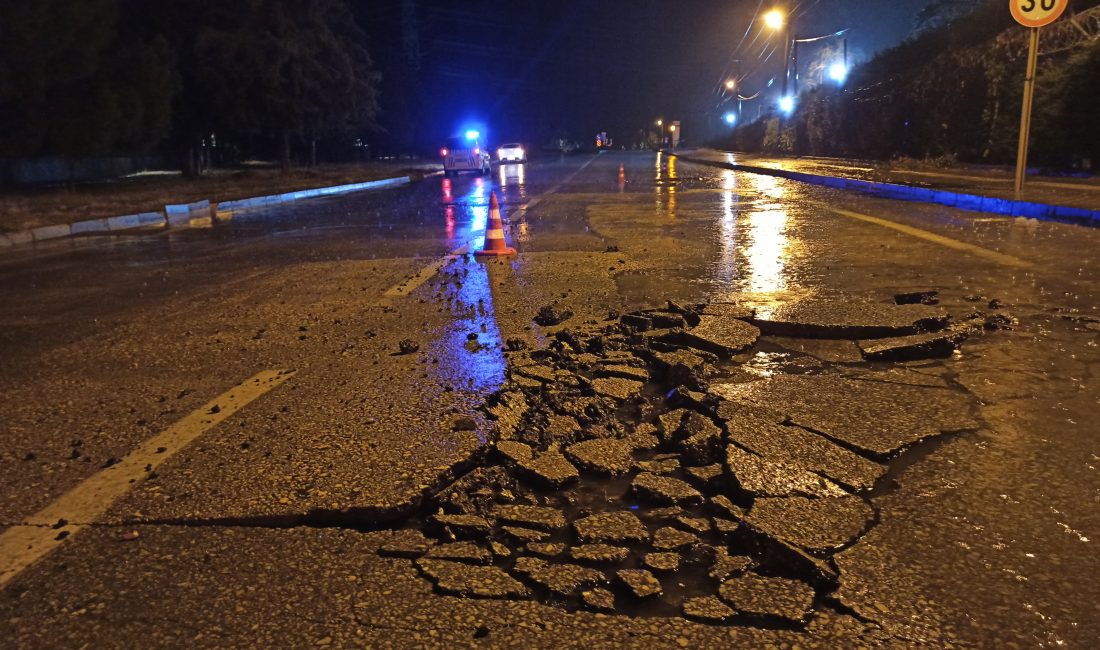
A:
1013, 7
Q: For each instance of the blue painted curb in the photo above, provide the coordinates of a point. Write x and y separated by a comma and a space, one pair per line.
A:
970, 202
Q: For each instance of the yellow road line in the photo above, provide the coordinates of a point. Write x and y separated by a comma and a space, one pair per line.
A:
409, 285
24, 544
994, 256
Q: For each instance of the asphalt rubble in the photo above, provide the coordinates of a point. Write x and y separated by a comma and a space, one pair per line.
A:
648, 466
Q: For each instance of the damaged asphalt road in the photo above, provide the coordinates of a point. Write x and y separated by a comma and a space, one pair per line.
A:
694, 408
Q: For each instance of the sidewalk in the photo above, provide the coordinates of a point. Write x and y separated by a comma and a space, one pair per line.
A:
980, 189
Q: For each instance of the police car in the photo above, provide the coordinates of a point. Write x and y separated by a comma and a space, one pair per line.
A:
465, 154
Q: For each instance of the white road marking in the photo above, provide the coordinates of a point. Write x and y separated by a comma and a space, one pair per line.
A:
999, 258
24, 544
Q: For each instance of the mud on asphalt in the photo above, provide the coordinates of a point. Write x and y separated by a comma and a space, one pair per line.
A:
671, 462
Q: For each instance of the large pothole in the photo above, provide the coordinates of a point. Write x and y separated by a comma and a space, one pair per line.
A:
652, 465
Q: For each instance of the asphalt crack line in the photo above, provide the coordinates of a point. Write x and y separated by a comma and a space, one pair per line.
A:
993, 256
44, 531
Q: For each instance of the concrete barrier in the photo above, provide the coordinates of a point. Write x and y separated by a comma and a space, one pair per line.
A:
135, 221
970, 202
188, 214
21, 237
43, 233
90, 227
200, 214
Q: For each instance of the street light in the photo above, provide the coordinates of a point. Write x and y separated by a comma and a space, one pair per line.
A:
774, 19
660, 122
786, 104
731, 84
730, 118
838, 72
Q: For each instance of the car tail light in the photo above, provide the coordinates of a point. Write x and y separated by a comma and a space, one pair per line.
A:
443, 152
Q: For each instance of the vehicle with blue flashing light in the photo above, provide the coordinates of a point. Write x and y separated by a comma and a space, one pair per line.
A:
465, 154
512, 153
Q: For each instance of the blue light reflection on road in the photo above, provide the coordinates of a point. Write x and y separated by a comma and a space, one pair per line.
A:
471, 365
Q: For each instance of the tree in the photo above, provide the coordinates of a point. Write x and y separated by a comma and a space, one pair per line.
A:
283, 69
72, 85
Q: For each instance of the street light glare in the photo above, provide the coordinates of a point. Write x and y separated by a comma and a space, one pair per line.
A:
774, 19
660, 122
730, 118
838, 72
786, 104
731, 84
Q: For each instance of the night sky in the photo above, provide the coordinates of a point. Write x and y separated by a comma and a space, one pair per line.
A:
529, 70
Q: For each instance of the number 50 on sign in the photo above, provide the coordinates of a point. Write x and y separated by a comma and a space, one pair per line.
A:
1037, 13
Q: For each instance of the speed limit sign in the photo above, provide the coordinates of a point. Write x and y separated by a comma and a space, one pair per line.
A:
1032, 14
1037, 13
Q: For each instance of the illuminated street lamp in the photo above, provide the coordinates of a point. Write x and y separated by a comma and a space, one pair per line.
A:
838, 72
786, 104
774, 19
730, 118
731, 84
660, 122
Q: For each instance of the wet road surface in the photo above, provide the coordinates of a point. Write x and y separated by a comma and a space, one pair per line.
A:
264, 529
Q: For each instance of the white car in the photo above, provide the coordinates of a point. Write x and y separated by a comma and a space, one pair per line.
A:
512, 153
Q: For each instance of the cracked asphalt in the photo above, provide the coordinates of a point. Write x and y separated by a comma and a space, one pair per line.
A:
977, 471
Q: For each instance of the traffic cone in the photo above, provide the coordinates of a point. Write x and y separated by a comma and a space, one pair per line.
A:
494, 232
622, 173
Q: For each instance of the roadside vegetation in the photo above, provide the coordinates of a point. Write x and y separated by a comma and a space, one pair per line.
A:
953, 91
197, 83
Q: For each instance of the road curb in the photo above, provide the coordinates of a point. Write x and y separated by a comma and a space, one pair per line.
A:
185, 215
969, 202
227, 210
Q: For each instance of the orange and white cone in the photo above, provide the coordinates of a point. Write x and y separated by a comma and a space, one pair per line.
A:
494, 232
622, 173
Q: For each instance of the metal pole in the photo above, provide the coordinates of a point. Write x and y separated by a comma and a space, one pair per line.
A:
786, 57
794, 67
1025, 114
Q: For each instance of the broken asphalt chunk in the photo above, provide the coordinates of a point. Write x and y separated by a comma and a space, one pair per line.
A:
795, 446
722, 336
406, 543
756, 595
616, 388
760, 477
458, 579
460, 552
936, 345
641, 583
550, 469
817, 525
662, 562
611, 527
665, 490
604, 456
602, 553
707, 609
850, 319
879, 418
540, 517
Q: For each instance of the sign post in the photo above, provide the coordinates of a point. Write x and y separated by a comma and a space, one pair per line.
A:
1032, 14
